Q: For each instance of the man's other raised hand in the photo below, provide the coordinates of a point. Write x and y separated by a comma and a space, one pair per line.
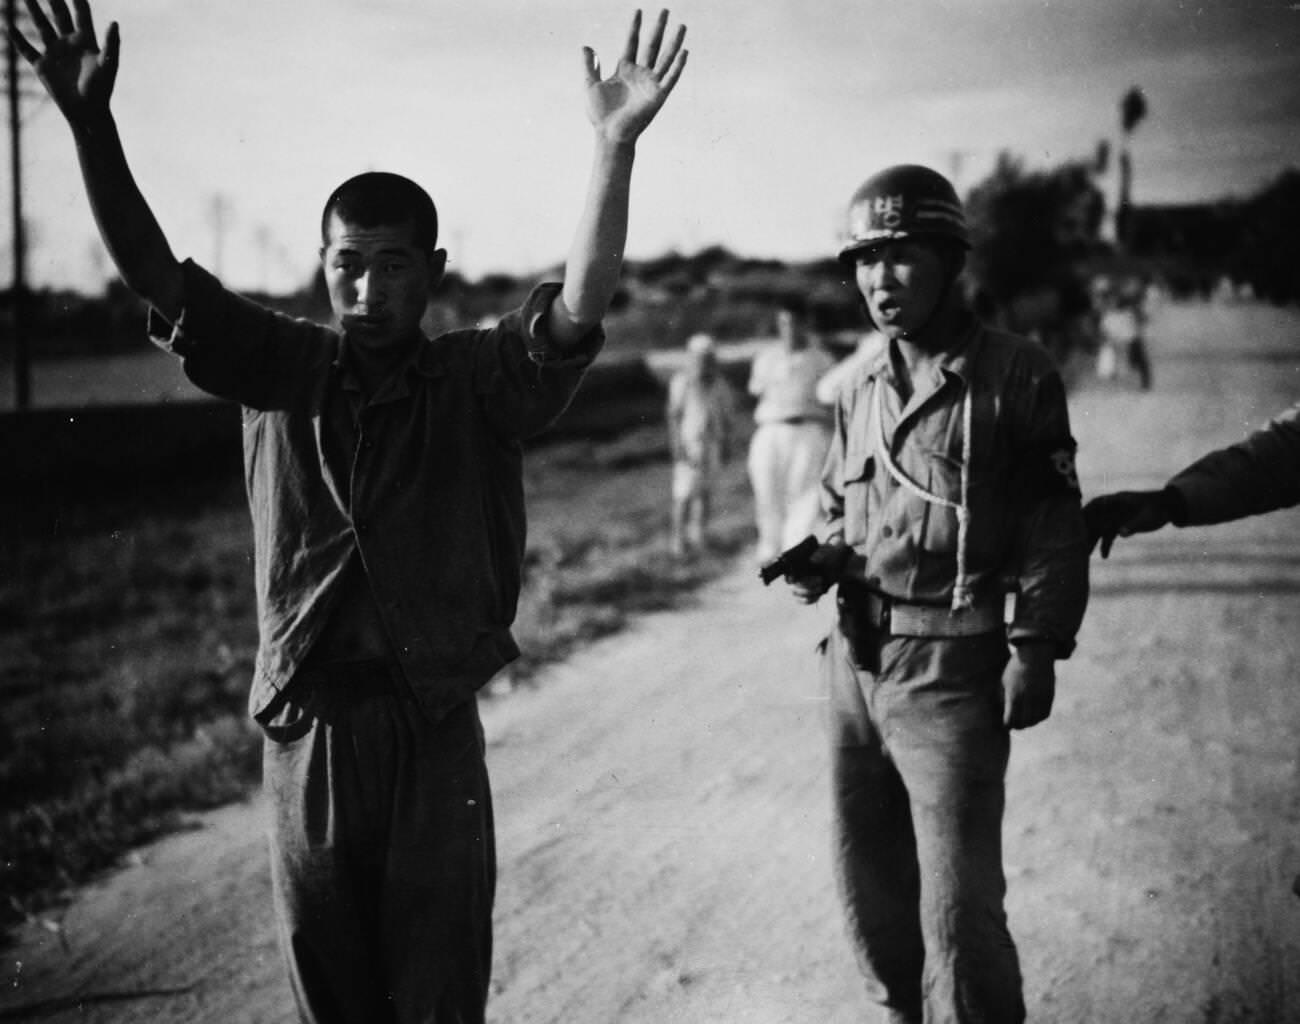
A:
623, 105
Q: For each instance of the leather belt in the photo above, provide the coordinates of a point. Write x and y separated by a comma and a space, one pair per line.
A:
897, 618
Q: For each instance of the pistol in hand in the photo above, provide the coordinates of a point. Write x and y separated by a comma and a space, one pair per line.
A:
797, 561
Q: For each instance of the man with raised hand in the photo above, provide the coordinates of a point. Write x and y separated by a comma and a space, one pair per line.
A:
384, 480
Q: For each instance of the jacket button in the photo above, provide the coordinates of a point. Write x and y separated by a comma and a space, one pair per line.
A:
886, 531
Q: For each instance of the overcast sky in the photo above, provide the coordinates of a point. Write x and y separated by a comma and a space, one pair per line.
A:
784, 108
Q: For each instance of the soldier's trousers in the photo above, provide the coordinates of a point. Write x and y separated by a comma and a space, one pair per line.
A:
383, 862
919, 757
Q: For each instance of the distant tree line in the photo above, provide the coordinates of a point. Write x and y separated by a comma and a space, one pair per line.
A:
1038, 240
1252, 242
1039, 243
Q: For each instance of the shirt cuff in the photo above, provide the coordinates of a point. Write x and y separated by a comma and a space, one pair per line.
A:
166, 335
1175, 502
1028, 632
542, 349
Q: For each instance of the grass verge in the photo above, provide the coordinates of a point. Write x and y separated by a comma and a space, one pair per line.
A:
127, 633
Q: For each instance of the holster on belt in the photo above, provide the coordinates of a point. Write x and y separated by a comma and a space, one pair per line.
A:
867, 618
862, 634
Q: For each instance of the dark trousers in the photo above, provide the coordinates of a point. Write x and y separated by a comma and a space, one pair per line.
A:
383, 861
919, 757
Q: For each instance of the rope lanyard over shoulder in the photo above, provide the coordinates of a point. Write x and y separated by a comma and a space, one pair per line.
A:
963, 596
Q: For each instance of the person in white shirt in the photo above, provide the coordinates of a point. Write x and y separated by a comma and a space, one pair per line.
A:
791, 437
870, 345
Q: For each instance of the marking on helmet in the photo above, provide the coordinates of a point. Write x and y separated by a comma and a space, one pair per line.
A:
889, 209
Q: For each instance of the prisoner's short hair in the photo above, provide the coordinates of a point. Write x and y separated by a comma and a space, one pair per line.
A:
378, 198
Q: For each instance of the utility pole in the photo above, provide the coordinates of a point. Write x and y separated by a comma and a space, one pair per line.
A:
1132, 111
18, 293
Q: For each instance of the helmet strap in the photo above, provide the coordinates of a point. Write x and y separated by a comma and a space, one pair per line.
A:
955, 260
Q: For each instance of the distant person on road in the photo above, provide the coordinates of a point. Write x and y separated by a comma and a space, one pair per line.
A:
384, 481
792, 431
1121, 324
1258, 474
701, 433
951, 470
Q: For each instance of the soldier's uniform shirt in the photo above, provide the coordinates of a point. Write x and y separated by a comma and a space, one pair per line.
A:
1025, 518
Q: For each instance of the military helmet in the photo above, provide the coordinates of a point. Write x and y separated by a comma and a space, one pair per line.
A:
903, 201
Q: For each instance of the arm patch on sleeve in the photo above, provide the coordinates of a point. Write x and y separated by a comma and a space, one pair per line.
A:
1051, 471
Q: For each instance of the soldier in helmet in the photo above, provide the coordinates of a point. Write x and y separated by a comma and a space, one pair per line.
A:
950, 474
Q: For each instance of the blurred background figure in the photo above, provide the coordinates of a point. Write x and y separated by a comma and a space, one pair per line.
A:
870, 345
791, 436
1121, 326
701, 430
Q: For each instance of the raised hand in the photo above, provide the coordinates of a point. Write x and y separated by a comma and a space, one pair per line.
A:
622, 105
75, 72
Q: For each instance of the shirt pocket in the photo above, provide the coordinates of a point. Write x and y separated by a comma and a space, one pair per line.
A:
858, 476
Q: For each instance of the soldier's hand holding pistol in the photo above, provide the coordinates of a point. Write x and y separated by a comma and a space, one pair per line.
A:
810, 568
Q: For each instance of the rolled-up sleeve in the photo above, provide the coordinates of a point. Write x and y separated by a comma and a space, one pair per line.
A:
523, 378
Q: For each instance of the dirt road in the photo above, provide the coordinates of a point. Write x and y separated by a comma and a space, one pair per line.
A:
662, 799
